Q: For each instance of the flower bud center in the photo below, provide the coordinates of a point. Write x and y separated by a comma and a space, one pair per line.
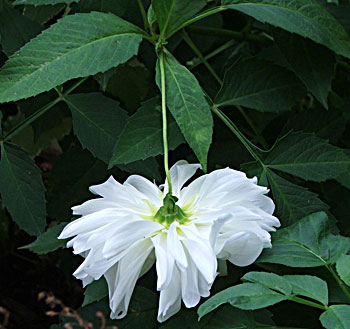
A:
170, 212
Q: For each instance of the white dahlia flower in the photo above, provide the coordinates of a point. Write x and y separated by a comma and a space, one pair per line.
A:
221, 215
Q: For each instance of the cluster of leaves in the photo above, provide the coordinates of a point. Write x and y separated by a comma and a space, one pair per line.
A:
257, 85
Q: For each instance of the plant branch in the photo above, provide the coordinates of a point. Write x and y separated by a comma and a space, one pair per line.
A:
13, 132
202, 15
240, 36
201, 57
144, 15
339, 281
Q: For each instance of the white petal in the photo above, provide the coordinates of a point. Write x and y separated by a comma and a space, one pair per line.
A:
93, 205
150, 191
189, 285
180, 173
216, 228
108, 189
89, 222
126, 275
175, 247
165, 261
170, 297
127, 235
243, 249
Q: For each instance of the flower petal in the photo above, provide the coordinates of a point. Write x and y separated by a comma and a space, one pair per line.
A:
150, 191
170, 297
165, 261
175, 248
180, 173
125, 276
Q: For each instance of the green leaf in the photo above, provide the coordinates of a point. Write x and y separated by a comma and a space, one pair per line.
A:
304, 17
42, 2
188, 106
95, 291
246, 296
312, 63
336, 317
97, 121
260, 85
343, 268
171, 14
47, 241
22, 189
293, 202
142, 136
80, 45
15, 29
308, 157
307, 243
269, 280
309, 286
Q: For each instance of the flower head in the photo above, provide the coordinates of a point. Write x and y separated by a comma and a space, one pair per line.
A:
221, 215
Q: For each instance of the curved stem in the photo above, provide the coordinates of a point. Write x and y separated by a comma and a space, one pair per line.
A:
165, 127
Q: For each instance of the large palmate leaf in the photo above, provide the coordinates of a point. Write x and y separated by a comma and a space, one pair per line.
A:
308, 157
246, 296
303, 285
260, 85
142, 136
76, 46
293, 202
304, 17
47, 241
307, 243
171, 14
42, 2
312, 63
188, 106
336, 317
97, 122
22, 189
15, 29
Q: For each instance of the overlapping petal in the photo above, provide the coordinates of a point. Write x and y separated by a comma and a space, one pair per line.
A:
227, 217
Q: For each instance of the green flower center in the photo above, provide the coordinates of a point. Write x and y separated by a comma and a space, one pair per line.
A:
170, 212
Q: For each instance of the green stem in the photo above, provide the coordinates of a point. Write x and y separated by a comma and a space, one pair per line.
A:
201, 57
143, 14
308, 303
205, 14
339, 281
165, 127
243, 35
215, 52
13, 132
260, 137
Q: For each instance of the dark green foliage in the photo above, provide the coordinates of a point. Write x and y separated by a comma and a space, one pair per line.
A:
260, 86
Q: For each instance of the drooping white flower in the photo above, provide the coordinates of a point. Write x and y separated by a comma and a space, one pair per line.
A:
220, 215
